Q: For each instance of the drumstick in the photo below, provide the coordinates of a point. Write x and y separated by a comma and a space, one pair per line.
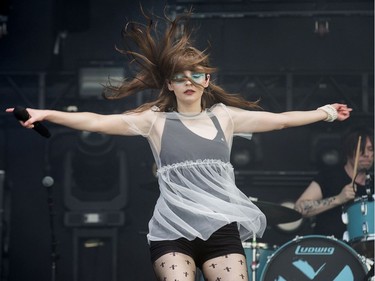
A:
356, 160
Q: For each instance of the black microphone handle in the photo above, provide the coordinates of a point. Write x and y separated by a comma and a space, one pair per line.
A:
21, 114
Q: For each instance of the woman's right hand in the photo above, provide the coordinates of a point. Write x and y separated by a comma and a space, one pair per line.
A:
35, 116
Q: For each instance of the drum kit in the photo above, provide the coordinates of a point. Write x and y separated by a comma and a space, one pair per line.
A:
315, 257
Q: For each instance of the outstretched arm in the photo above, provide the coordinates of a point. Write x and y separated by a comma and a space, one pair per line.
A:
261, 121
86, 121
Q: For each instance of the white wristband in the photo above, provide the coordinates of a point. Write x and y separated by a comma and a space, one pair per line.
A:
331, 112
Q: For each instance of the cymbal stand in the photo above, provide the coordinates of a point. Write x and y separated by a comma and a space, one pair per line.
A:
255, 258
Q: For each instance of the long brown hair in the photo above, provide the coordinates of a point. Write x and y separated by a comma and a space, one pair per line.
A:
160, 56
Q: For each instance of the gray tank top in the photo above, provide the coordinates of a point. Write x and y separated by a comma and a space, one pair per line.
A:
195, 147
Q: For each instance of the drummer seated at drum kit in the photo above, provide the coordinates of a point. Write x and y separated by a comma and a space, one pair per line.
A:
342, 200
342, 197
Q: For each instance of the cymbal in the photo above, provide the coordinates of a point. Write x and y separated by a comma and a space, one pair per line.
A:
277, 214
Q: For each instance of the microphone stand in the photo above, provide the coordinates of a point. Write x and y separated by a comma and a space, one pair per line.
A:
54, 254
48, 182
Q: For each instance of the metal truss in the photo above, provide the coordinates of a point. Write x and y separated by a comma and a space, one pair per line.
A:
277, 91
283, 91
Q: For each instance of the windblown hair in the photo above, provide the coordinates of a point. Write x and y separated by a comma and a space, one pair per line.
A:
161, 55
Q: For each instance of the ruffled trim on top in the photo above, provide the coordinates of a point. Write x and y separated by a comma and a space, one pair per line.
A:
199, 162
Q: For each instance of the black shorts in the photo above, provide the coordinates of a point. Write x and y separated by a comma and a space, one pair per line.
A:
224, 241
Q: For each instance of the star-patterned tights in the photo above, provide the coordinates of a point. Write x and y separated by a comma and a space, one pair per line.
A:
181, 267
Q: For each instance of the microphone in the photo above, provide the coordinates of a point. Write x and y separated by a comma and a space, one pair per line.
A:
21, 114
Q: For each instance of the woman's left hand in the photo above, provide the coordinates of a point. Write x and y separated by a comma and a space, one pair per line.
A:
343, 111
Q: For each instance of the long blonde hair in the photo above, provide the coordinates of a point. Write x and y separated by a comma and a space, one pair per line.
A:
159, 56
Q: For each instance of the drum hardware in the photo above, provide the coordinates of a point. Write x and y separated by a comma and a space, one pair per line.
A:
370, 266
368, 185
255, 260
257, 255
365, 228
369, 263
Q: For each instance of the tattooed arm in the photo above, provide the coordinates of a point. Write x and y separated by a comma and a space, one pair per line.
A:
311, 202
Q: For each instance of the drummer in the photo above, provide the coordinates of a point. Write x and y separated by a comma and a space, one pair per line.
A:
337, 186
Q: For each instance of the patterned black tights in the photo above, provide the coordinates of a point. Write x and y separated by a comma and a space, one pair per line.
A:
181, 267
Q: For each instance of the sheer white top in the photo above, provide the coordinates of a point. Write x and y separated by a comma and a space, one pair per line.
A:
198, 194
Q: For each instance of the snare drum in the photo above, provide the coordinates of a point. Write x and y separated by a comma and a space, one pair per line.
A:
360, 226
262, 252
317, 258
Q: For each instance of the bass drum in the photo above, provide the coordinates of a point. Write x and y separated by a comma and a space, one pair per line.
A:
317, 258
